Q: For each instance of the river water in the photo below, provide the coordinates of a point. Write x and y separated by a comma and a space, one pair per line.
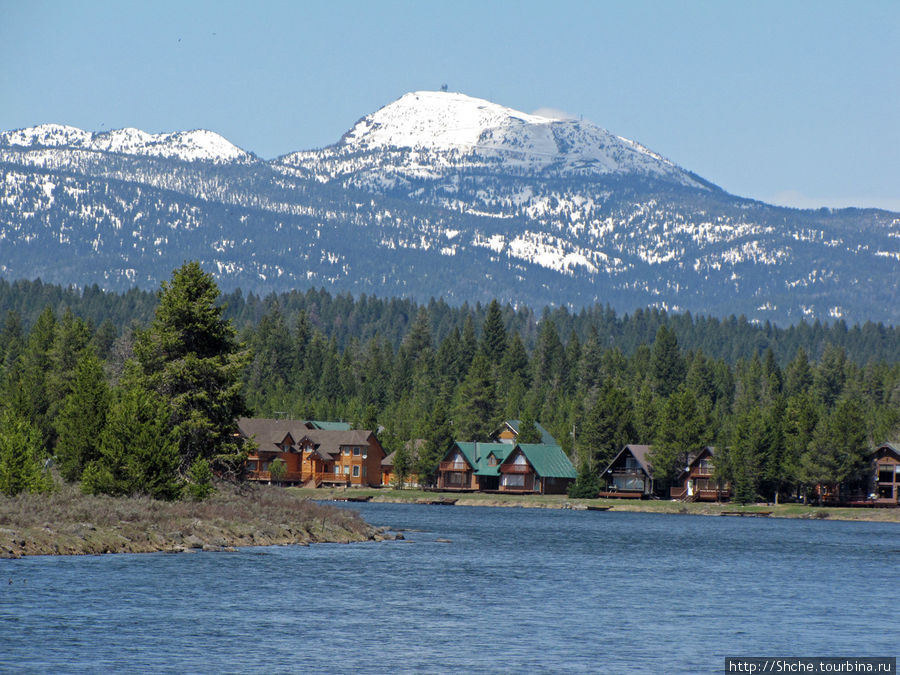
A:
471, 589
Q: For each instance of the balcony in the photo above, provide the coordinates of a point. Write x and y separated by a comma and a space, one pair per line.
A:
515, 468
453, 466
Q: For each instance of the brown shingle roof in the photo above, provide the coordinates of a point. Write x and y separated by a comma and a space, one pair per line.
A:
268, 432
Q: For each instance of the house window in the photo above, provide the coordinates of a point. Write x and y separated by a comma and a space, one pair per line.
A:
356, 471
628, 483
492, 461
705, 466
365, 452
337, 470
346, 470
885, 473
520, 460
356, 452
251, 465
456, 478
264, 466
515, 480
346, 451
631, 464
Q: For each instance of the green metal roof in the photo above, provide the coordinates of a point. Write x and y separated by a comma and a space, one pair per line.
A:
330, 426
549, 461
546, 436
477, 454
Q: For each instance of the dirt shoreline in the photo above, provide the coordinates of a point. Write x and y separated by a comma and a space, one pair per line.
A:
797, 511
69, 523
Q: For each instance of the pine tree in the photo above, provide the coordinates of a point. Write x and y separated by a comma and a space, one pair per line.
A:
528, 431
190, 357
681, 433
82, 417
837, 451
493, 334
138, 449
607, 428
20, 448
667, 365
438, 439
476, 411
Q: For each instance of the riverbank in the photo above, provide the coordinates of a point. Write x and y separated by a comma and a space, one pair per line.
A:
633, 505
67, 522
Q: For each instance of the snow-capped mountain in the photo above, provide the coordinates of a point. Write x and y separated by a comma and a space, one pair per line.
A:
435, 194
427, 132
198, 145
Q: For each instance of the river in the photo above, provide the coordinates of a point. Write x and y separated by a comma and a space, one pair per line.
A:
470, 589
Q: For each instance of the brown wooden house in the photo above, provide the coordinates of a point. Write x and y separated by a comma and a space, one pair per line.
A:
388, 475
886, 475
629, 474
536, 467
503, 467
311, 456
697, 482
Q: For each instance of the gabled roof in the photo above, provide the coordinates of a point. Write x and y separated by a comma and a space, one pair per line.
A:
546, 436
547, 460
694, 456
893, 448
639, 452
412, 447
269, 432
476, 455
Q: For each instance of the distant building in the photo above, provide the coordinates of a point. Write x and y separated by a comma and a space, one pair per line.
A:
506, 467
312, 455
697, 482
509, 433
629, 474
389, 476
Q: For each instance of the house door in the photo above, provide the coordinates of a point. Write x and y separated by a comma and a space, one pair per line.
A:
690, 487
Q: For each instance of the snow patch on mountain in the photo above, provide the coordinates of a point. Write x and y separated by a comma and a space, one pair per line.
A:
199, 145
432, 133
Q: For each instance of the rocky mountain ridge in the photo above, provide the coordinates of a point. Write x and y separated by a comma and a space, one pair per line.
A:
436, 194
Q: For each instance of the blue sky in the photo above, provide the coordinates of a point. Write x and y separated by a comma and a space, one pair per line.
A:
791, 102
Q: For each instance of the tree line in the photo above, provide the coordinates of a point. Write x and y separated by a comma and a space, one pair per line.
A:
99, 399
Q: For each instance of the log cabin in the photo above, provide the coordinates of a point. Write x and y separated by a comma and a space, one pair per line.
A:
471, 466
537, 468
522, 468
629, 474
697, 482
311, 456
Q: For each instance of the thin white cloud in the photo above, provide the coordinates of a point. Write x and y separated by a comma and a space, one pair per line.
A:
554, 113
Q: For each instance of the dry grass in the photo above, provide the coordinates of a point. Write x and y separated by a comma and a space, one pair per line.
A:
68, 521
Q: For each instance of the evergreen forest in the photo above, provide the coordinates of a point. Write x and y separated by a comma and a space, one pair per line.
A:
138, 392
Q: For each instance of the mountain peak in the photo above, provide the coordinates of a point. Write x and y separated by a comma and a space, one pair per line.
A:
189, 146
476, 130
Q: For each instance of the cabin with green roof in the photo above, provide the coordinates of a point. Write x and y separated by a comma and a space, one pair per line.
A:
503, 467
536, 467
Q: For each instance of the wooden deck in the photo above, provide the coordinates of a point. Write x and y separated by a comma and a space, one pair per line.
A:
619, 494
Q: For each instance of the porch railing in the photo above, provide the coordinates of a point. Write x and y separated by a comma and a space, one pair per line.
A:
515, 468
453, 466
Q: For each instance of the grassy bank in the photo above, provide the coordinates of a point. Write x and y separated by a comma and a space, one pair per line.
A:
68, 522
649, 506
